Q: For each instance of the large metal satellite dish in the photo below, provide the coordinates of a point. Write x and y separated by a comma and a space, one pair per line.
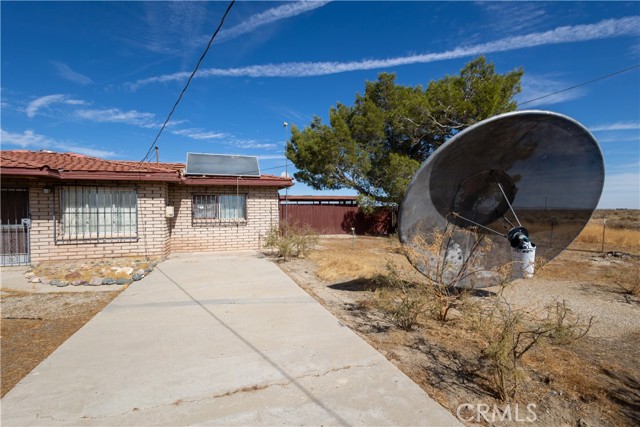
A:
526, 174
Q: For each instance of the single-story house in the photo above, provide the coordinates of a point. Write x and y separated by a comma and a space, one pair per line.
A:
60, 206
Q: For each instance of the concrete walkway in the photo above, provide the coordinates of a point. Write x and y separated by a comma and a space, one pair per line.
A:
217, 339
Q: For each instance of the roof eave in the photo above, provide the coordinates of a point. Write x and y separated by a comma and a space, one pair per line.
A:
22, 172
256, 182
86, 175
143, 176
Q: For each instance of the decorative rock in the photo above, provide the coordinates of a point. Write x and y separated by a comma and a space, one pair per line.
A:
95, 281
137, 277
45, 280
140, 272
109, 281
62, 284
123, 281
29, 274
55, 282
148, 270
78, 283
35, 280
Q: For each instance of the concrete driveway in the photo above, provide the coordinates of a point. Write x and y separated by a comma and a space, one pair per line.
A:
217, 339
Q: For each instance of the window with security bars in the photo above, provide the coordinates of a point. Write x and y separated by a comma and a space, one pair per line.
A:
217, 209
95, 214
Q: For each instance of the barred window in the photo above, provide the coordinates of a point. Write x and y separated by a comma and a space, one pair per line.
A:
219, 208
97, 214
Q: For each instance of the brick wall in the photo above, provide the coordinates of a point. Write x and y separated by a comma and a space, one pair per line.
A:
157, 235
262, 214
153, 230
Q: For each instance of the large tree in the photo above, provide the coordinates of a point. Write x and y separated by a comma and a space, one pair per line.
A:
377, 144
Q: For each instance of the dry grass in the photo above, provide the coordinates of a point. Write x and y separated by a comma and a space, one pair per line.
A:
622, 238
362, 258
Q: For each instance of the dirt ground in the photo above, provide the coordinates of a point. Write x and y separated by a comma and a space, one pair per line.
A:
592, 382
34, 325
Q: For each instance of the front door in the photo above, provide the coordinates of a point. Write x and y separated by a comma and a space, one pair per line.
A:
15, 225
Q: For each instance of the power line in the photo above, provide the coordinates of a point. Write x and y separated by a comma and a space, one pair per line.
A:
582, 84
213, 36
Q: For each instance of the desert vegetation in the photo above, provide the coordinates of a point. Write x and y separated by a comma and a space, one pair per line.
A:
563, 341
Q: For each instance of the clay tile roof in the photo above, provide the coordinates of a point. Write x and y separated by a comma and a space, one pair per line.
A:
74, 162
78, 166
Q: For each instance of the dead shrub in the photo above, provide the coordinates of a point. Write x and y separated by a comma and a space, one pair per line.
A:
565, 327
402, 307
626, 277
445, 282
400, 301
291, 240
509, 333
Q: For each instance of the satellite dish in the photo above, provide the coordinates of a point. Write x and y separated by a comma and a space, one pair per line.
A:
516, 183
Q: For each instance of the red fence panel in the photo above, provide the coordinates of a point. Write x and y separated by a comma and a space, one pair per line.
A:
338, 219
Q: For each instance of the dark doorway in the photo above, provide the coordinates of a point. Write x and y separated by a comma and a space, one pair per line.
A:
15, 224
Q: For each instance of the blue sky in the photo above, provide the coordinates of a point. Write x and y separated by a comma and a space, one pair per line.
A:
100, 78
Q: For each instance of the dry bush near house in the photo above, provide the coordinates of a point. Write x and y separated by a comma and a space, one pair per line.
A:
291, 240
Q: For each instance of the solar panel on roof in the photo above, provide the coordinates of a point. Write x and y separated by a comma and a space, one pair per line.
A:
221, 164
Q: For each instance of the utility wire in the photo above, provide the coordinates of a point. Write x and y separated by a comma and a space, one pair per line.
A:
213, 36
581, 84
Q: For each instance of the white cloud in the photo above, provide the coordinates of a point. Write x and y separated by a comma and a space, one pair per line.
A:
629, 26
272, 157
534, 87
287, 10
32, 140
511, 17
115, 115
615, 126
198, 134
46, 101
250, 143
112, 115
172, 27
614, 137
67, 73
